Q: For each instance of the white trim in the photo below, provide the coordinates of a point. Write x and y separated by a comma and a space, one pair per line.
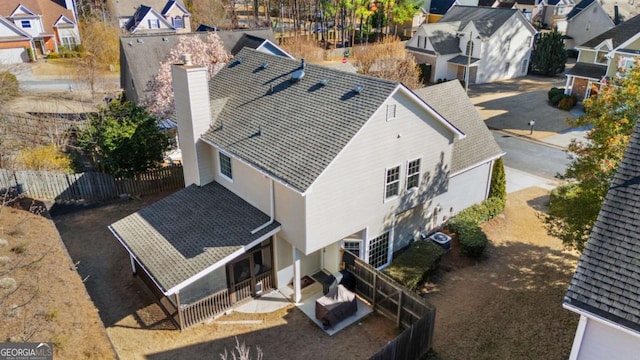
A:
600, 319
386, 175
389, 247
272, 201
277, 47
628, 42
280, 181
25, 10
222, 262
224, 176
406, 175
577, 340
479, 163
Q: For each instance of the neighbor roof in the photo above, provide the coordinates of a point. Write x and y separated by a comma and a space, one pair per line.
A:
618, 34
141, 59
578, 8
607, 280
292, 130
49, 10
185, 233
440, 6
121, 8
479, 145
486, 20
588, 70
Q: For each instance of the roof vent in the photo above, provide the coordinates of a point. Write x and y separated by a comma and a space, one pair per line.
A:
358, 89
165, 39
303, 64
240, 60
297, 75
139, 41
130, 43
324, 82
186, 59
270, 90
264, 65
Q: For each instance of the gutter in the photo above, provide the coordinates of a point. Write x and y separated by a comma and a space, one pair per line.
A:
600, 319
271, 209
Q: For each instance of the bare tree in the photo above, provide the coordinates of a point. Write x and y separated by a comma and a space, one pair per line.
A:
388, 60
101, 49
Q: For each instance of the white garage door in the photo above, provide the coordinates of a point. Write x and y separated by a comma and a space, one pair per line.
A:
13, 56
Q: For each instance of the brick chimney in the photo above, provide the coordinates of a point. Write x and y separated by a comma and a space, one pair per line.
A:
193, 114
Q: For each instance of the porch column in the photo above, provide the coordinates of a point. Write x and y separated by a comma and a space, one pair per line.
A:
297, 294
569, 85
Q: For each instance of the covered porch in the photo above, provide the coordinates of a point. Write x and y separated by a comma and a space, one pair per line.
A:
216, 254
584, 80
462, 64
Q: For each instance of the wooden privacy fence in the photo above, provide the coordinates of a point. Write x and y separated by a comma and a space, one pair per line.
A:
89, 186
396, 302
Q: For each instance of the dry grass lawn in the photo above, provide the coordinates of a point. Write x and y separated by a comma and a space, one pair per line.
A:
42, 298
507, 305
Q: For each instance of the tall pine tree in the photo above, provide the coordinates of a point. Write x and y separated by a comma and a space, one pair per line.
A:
548, 56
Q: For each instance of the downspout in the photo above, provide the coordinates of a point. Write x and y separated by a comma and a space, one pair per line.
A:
271, 209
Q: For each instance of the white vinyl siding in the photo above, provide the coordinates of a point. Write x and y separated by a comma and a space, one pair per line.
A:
392, 183
342, 200
601, 341
379, 251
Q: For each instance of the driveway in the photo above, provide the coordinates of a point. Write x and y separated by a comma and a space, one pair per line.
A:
509, 105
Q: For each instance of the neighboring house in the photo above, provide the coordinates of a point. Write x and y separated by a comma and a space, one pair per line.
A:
48, 25
493, 43
586, 21
287, 163
438, 8
151, 15
604, 57
605, 289
14, 43
553, 13
419, 18
140, 55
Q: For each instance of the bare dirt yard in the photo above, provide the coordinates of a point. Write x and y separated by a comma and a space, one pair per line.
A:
139, 329
42, 298
508, 304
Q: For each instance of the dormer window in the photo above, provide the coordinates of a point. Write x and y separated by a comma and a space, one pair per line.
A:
154, 24
178, 23
26, 24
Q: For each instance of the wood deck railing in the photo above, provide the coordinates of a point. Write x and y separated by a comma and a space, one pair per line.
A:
216, 304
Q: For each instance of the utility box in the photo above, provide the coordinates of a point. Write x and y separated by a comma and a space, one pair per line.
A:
441, 239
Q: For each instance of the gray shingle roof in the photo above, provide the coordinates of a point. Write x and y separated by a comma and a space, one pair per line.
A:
578, 8
607, 280
142, 59
463, 60
303, 125
588, 70
450, 100
444, 43
291, 130
140, 13
486, 20
618, 34
122, 8
190, 230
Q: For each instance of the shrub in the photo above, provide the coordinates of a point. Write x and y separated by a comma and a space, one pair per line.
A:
8, 84
565, 104
44, 157
472, 240
556, 99
410, 268
53, 55
498, 188
554, 91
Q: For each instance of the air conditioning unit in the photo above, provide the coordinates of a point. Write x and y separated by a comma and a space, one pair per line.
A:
259, 288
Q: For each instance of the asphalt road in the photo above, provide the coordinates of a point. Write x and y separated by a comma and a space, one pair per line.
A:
532, 157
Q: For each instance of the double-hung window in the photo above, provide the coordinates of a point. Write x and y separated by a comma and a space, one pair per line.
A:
392, 182
413, 174
154, 24
178, 23
353, 246
225, 166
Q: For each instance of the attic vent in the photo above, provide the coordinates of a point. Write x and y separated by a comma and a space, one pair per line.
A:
139, 41
324, 82
130, 43
165, 39
358, 89
264, 65
240, 60
297, 75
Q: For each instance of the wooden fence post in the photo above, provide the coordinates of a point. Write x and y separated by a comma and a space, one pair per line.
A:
375, 290
399, 320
